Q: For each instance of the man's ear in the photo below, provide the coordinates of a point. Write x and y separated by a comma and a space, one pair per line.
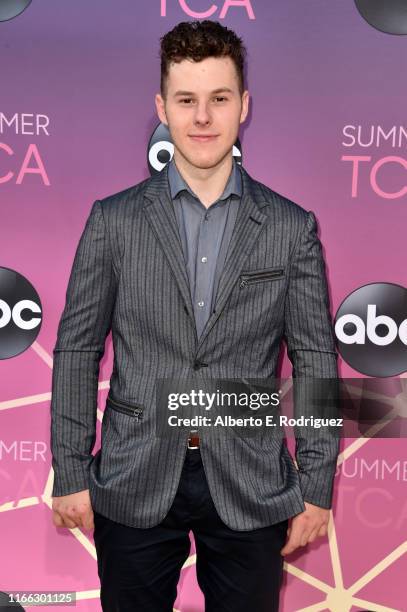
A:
160, 107
245, 105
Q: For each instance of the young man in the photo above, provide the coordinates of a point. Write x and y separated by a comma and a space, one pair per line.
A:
161, 264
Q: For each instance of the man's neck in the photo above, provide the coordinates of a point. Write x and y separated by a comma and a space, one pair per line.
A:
207, 183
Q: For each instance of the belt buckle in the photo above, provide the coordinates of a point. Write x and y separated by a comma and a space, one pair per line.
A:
190, 440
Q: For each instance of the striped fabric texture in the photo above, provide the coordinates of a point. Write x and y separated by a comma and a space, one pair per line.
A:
128, 277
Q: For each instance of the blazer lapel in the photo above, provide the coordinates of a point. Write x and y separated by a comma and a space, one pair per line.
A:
160, 214
249, 224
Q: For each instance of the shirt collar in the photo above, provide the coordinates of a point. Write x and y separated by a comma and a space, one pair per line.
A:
178, 184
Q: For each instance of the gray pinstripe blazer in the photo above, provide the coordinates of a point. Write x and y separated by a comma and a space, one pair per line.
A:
129, 276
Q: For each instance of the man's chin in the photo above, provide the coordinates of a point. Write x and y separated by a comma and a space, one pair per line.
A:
205, 162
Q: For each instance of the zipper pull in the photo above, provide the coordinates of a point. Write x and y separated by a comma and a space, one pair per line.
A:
137, 413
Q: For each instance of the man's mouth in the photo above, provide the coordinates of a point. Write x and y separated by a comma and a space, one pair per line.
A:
200, 138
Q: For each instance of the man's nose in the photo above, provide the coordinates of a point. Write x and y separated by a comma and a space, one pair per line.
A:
202, 115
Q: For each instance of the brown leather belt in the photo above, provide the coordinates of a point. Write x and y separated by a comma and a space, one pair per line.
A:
193, 441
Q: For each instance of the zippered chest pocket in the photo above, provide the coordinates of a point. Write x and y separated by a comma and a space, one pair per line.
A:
260, 276
125, 407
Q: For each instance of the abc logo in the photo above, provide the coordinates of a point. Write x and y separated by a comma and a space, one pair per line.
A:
371, 328
12, 8
20, 313
161, 149
389, 16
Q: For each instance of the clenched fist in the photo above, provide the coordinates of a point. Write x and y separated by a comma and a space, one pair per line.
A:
73, 510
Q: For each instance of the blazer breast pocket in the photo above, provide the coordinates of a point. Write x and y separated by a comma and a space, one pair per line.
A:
263, 275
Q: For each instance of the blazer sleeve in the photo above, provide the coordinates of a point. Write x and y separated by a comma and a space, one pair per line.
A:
312, 352
84, 325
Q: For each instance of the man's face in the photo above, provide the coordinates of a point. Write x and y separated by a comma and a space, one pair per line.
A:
195, 107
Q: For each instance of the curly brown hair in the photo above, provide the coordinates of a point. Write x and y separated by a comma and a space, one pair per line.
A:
198, 40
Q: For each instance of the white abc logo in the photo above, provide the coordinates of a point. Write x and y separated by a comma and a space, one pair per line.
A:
359, 336
158, 147
15, 313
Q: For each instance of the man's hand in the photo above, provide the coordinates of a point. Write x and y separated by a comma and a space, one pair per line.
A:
305, 527
73, 510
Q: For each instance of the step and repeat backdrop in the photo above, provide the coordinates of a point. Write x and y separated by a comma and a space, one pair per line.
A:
326, 128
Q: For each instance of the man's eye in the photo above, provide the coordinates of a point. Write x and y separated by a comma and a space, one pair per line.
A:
186, 100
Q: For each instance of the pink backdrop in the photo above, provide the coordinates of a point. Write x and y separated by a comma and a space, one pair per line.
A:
325, 85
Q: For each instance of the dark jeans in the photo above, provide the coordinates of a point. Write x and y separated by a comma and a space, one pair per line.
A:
236, 570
